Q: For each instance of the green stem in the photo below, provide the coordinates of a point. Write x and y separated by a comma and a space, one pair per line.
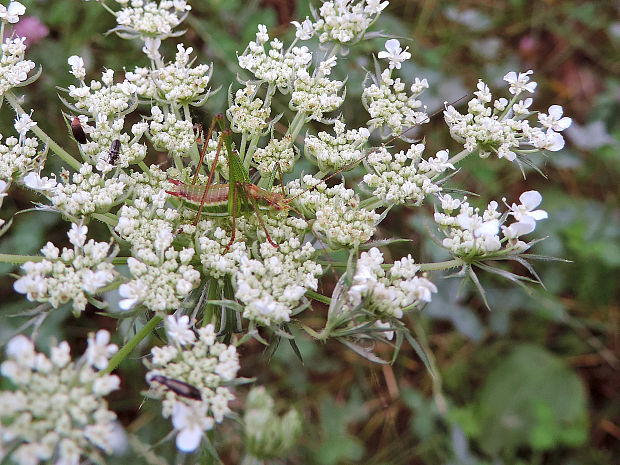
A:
371, 203
107, 218
195, 154
250, 151
122, 354
459, 156
19, 259
318, 297
296, 125
110, 10
143, 167
386, 266
441, 265
57, 149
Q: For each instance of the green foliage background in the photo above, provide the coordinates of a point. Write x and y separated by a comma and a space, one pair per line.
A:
534, 381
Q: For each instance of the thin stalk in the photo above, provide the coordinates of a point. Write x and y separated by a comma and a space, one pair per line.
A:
143, 167
195, 155
19, 259
459, 156
441, 265
124, 352
109, 10
250, 151
57, 149
107, 218
296, 125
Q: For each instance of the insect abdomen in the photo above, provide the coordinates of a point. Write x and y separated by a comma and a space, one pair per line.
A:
217, 194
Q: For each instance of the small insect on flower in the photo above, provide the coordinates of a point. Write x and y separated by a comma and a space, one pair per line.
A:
180, 388
115, 150
78, 130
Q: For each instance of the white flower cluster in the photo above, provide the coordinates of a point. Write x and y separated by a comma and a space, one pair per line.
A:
167, 133
14, 68
405, 177
151, 19
200, 368
273, 284
343, 21
277, 152
88, 193
337, 211
387, 293
276, 66
18, 156
142, 78
389, 105
212, 239
180, 83
470, 234
103, 99
316, 94
73, 274
248, 114
98, 148
57, 412
504, 129
333, 153
155, 264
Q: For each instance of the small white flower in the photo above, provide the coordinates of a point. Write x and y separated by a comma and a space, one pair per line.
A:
262, 36
12, 13
190, 422
305, 30
395, 54
94, 280
23, 124
477, 226
77, 235
520, 83
554, 120
519, 228
36, 182
99, 351
32, 286
179, 330
61, 354
374, 7
151, 48
133, 291
529, 201
77, 66
20, 348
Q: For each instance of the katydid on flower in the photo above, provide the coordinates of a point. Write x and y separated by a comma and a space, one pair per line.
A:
238, 193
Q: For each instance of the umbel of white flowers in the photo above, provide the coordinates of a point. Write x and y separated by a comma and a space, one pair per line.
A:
57, 410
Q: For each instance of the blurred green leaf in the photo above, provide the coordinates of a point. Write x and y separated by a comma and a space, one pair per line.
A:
528, 400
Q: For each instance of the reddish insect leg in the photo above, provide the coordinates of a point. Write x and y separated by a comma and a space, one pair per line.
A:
234, 219
213, 167
260, 219
214, 121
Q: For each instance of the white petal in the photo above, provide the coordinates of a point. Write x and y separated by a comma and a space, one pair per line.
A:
188, 439
530, 199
